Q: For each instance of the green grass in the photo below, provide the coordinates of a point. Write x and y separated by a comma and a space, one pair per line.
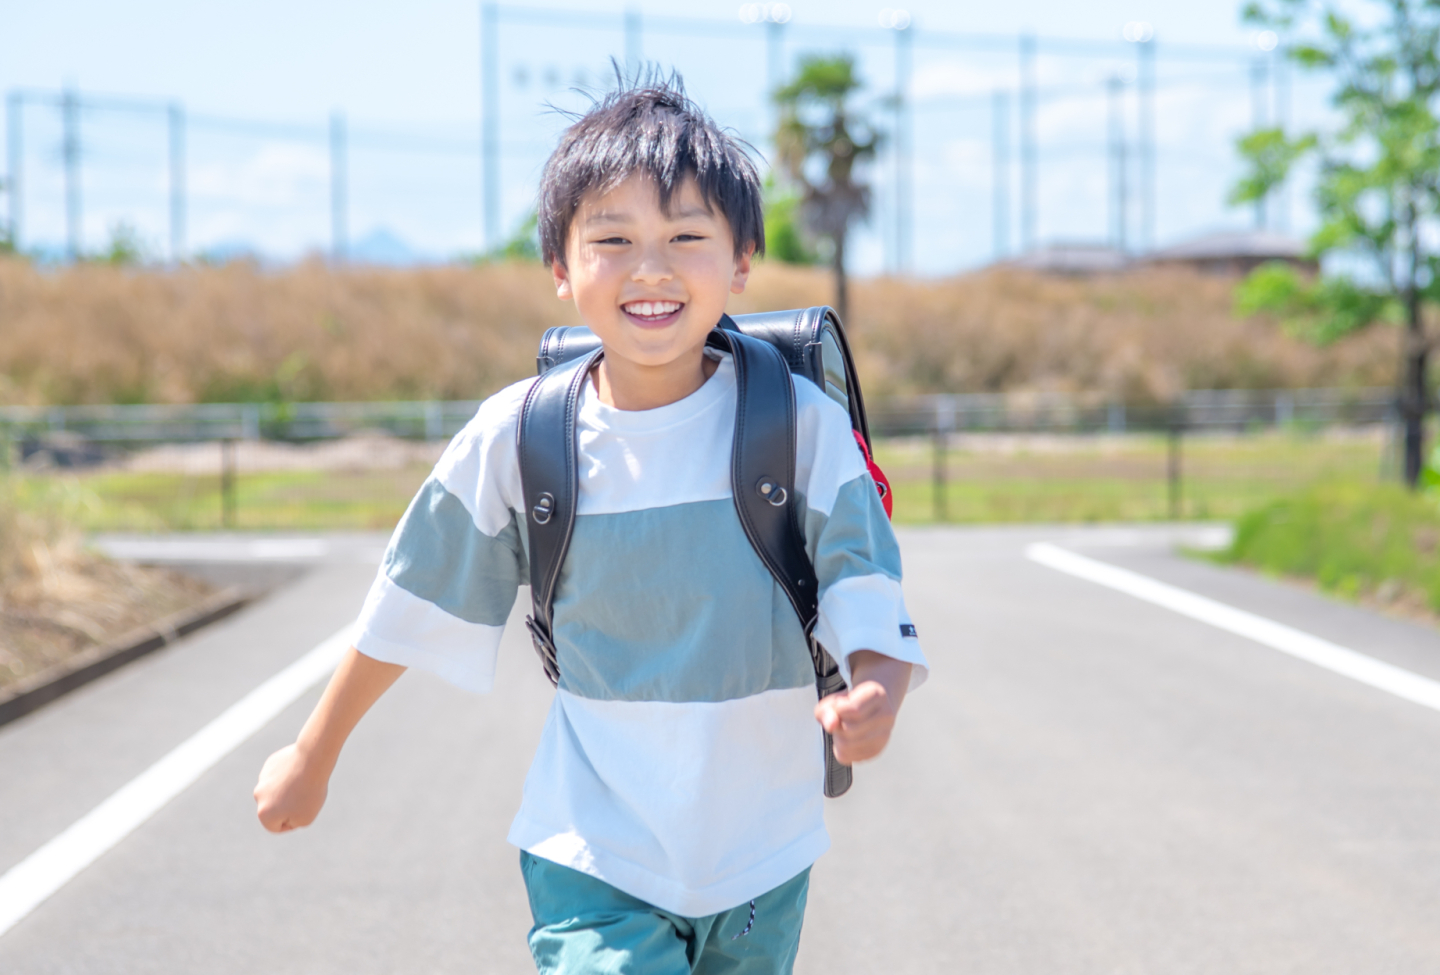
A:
1376, 540
293, 500
1058, 479
1101, 479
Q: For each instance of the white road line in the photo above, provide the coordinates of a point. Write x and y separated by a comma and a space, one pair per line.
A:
1322, 653
216, 549
27, 884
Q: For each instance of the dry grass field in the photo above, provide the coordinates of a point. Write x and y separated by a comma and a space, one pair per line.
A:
57, 598
100, 334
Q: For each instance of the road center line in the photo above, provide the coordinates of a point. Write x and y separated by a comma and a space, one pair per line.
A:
1322, 653
27, 884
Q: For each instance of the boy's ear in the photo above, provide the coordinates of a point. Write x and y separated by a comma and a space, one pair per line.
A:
742, 270
563, 290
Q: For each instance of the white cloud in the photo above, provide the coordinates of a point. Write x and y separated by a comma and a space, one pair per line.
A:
277, 174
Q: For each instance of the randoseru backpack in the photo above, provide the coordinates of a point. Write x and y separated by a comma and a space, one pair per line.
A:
765, 348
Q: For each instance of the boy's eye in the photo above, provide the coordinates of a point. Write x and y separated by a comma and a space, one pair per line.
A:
687, 237
612, 240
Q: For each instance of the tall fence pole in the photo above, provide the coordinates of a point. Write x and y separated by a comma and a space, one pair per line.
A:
1000, 173
1119, 192
634, 42
339, 190
177, 182
490, 120
904, 161
1029, 178
1145, 85
70, 149
1280, 72
1259, 119
774, 66
14, 144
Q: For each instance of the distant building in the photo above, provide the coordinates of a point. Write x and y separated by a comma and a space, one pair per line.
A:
1080, 259
1232, 252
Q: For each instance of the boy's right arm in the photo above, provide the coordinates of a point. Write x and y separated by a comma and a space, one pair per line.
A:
294, 780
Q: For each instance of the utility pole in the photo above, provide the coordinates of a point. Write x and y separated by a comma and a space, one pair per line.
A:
70, 149
177, 182
1029, 176
774, 74
1281, 75
339, 191
15, 131
1259, 119
1115, 89
774, 56
490, 121
1000, 172
634, 43
1145, 77
904, 163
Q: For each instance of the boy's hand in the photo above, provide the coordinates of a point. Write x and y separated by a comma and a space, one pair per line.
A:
294, 781
290, 792
861, 719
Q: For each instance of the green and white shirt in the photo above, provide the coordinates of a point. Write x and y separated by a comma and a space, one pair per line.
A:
681, 761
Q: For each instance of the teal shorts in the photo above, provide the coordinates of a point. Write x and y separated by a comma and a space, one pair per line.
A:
583, 926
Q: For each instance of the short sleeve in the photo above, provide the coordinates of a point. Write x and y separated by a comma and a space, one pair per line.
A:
456, 561
851, 543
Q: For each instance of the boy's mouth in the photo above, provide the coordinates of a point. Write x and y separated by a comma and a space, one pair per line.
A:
652, 314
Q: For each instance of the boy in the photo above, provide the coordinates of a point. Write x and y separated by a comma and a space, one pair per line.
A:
674, 806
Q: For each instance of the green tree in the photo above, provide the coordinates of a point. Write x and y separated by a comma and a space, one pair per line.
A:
1378, 189
820, 141
785, 239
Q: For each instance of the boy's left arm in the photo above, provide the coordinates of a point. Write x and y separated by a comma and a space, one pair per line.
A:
861, 718
861, 619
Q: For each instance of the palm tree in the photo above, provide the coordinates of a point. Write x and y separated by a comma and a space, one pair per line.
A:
819, 135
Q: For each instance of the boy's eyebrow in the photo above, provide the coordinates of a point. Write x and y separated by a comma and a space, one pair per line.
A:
622, 216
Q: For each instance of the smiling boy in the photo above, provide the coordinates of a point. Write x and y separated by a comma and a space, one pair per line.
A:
674, 805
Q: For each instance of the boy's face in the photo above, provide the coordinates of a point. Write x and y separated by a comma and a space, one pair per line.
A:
650, 285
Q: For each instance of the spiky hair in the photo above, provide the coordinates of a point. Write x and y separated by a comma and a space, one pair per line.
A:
648, 125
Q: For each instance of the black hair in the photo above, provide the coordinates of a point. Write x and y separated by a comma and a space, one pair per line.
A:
649, 125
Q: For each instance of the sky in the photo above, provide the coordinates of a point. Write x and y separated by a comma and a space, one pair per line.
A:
407, 80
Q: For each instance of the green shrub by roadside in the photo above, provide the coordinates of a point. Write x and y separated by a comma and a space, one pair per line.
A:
1378, 541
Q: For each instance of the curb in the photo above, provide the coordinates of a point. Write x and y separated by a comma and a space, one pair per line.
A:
40, 689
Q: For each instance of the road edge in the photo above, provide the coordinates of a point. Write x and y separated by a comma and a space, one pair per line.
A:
54, 682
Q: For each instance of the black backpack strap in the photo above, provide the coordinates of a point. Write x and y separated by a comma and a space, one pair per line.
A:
550, 483
762, 472
762, 478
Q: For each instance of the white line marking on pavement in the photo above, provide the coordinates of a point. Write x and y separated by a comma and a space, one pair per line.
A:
27, 884
1322, 653
216, 549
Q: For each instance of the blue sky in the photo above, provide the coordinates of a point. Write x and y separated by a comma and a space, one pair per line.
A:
407, 79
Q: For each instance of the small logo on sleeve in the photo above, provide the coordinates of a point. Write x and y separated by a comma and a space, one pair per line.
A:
908, 629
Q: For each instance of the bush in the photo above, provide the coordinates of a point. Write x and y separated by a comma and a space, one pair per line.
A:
1379, 540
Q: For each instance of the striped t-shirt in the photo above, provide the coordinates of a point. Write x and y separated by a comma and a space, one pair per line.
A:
681, 761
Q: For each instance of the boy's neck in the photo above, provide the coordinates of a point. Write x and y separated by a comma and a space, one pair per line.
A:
628, 385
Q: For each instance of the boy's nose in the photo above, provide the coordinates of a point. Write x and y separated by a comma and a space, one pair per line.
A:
653, 267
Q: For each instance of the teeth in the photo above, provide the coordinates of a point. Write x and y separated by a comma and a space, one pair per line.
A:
652, 309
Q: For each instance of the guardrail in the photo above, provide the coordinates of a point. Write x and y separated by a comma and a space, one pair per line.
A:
1197, 410
427, 420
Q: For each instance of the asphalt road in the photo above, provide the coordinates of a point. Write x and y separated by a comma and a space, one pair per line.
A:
1088, 784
